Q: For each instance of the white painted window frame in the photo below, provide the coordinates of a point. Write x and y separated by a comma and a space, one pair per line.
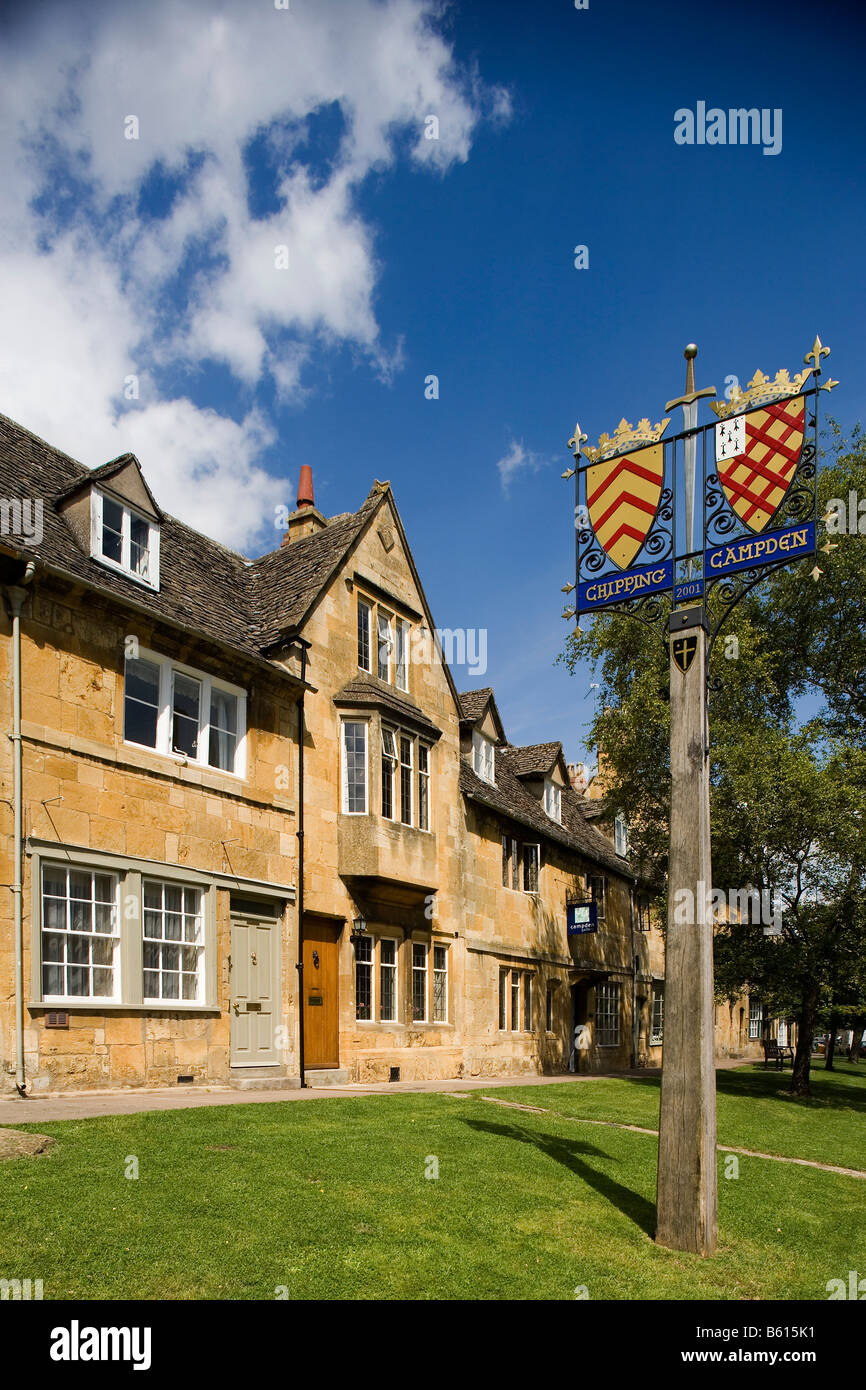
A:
606, 991
403, 633
344, 779
68, 932
97, 498
367, 607
440, 946
553, 800
484, 757
370, 962
386, 619
167, 669
657, 1031
395, 968
421, 946
199, 946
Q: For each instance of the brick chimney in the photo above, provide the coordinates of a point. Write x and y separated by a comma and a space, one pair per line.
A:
307, 519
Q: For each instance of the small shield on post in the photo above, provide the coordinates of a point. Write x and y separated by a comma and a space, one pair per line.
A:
683, 651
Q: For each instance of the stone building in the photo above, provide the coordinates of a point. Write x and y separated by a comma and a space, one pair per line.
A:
173, 852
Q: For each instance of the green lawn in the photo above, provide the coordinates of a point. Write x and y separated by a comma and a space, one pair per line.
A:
755, 1109
329, 1199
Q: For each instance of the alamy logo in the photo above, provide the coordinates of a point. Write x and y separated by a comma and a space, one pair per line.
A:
21, 1289
855, 1289
76, 1343
738, 126
21, 517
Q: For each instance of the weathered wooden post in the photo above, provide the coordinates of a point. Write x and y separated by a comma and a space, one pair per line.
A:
687, 1181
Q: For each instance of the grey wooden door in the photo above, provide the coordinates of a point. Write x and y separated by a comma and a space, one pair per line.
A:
255, 992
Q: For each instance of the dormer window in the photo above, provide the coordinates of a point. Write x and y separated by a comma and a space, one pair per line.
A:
620, 835
124, 539
484, 757
553, 799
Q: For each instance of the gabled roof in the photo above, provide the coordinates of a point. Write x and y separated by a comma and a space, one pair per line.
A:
511, 799
103, 474
474, 705
533, 760
286, 583
203, 586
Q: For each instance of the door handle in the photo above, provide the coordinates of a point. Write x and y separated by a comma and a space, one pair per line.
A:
253, 958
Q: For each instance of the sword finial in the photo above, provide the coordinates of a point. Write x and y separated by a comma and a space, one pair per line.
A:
691, 395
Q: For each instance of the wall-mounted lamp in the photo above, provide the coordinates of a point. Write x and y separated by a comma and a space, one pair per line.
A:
359, 925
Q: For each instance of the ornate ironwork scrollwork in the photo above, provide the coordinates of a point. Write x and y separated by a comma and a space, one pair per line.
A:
798, 503
660, 541
721, 518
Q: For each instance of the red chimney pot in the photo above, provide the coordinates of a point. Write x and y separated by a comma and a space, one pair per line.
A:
305, 487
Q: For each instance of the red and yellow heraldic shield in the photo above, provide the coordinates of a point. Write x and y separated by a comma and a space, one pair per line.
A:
622, 498
757, 456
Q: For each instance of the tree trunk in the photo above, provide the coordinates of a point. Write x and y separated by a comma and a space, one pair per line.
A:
805, 1034
831, 1043
854, 1049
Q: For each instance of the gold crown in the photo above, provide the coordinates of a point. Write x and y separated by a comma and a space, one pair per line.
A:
626, 437
760, 391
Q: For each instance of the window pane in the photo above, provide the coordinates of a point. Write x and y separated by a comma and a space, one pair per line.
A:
406, 780
388, 979
384, 648
363, 635
527, 1003
402, 674
355, 770
139, 542
364, 978
419, 982
440, 984
223, 729
503, 998
186, 697
52, 979
112, 530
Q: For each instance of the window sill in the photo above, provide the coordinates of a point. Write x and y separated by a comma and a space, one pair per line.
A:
99, 1006
182, 762
114, 568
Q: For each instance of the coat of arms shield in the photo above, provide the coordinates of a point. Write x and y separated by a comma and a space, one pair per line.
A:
757, 456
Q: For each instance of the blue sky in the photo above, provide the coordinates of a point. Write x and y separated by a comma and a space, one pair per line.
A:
153, 258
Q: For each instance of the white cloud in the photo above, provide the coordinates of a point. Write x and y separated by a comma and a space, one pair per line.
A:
94, 291
518, 459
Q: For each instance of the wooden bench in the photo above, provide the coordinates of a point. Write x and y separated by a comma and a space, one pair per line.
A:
774, 1053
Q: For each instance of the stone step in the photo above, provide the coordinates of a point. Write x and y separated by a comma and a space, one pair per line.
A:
262, 1079
327, 1076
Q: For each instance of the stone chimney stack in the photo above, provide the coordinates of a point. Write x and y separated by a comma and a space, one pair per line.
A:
307, 518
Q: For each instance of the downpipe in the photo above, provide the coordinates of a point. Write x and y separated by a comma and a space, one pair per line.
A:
16, 596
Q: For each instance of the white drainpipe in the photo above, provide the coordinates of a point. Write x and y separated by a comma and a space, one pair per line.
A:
17, 594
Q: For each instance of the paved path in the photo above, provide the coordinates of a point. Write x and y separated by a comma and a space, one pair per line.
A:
84, 1105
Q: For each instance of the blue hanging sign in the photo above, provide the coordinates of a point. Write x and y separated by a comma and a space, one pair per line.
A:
788, 544
613, 588
582, 918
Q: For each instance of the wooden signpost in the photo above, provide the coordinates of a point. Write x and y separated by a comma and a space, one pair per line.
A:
656, 530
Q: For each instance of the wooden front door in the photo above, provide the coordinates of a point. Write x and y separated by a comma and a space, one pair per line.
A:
255, 992
321, 995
